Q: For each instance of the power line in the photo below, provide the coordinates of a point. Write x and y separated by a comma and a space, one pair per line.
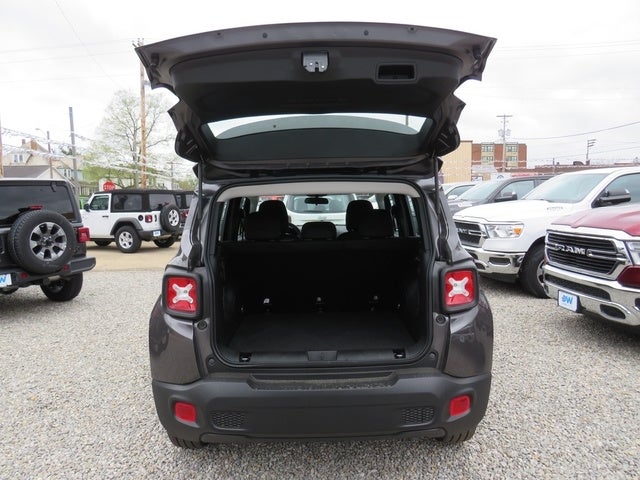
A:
580, 134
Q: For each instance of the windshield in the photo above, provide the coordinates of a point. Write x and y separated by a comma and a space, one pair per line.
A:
566, 188
479, 192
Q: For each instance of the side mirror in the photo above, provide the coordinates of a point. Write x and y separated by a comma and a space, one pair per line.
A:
86, 207
612, 197
507, 197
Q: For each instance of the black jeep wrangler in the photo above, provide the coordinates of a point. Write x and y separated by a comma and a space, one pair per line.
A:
42, 240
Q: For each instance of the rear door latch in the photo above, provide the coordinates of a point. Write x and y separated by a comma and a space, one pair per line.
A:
315, 62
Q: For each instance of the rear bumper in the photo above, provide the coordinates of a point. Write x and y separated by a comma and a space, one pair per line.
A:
606, 299
249, 408
22, 278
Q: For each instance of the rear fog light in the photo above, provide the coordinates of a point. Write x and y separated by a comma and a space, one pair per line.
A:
185, 412
459, 405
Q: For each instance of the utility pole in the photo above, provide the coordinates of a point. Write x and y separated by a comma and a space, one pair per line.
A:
143, 125
73, 151
590, 143
503, 134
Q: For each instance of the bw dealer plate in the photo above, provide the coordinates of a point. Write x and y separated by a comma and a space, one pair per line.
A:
568, 301
5, 279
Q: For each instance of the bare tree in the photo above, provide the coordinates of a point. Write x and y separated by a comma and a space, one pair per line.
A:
118, 143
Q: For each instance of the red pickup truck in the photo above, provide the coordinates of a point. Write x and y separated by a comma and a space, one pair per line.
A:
593, 263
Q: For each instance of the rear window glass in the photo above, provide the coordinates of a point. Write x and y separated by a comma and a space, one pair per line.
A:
18, 198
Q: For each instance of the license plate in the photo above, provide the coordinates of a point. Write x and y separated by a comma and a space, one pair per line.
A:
5, 279
156, 233
568, 301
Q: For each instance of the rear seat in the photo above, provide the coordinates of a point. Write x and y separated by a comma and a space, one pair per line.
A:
351, 275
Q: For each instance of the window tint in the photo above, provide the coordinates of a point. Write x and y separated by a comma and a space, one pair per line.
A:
18, 197
159, 200
126, 202
100, 202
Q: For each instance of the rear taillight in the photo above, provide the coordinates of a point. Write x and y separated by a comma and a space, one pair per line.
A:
459, 405
181, 295
459, 288
83, 235
148, 218
185, 412
630, 277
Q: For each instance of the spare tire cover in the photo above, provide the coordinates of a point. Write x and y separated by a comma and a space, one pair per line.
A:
170, 218
41, 241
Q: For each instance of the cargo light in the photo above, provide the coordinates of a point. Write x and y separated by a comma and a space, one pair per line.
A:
459, 288
181, 294
459, 405
630, 277
185, 412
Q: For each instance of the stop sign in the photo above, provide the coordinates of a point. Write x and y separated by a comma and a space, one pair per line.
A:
109, 185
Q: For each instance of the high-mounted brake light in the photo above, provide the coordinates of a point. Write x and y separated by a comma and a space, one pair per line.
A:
459, 288
83, 235
181, 294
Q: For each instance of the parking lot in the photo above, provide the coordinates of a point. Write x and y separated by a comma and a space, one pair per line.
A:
75, 387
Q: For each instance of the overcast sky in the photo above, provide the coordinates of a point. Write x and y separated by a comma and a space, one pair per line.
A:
567, 72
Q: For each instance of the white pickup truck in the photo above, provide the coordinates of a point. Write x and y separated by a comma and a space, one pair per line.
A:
506, 240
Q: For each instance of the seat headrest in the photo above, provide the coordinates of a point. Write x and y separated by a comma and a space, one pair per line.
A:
318, 231
260, 226
276, 209
376, 224
356, 210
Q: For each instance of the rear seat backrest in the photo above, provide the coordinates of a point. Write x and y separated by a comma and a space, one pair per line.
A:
261, 226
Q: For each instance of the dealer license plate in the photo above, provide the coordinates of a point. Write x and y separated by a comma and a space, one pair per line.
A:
5, 279
568, 301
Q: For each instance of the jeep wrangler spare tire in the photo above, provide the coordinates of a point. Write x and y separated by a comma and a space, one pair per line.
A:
170, 218
41, 241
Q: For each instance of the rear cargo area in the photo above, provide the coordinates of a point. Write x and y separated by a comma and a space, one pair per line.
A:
321, 299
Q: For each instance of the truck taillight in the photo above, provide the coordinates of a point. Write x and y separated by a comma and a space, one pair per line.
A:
148, 218
83, 235
459, 288
630, 277
181, 295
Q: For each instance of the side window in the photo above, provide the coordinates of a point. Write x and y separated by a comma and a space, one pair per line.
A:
100, 202
159, 200
123, 202
630, 183
520, 188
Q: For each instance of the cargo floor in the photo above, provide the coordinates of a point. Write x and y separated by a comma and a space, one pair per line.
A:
291, 332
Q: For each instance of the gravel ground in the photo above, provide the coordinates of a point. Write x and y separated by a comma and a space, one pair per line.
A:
76, 398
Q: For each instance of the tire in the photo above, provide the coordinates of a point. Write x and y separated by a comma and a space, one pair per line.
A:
531, 272
170, 218
458, 437
188, 444
127, 239
63, 289
41, 241
102, 243
165, 242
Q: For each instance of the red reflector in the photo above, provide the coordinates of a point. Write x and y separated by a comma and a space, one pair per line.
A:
459, 405
630, 277
83, 235
148, 218
35, 207
185, 412
182, 293
459, 288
